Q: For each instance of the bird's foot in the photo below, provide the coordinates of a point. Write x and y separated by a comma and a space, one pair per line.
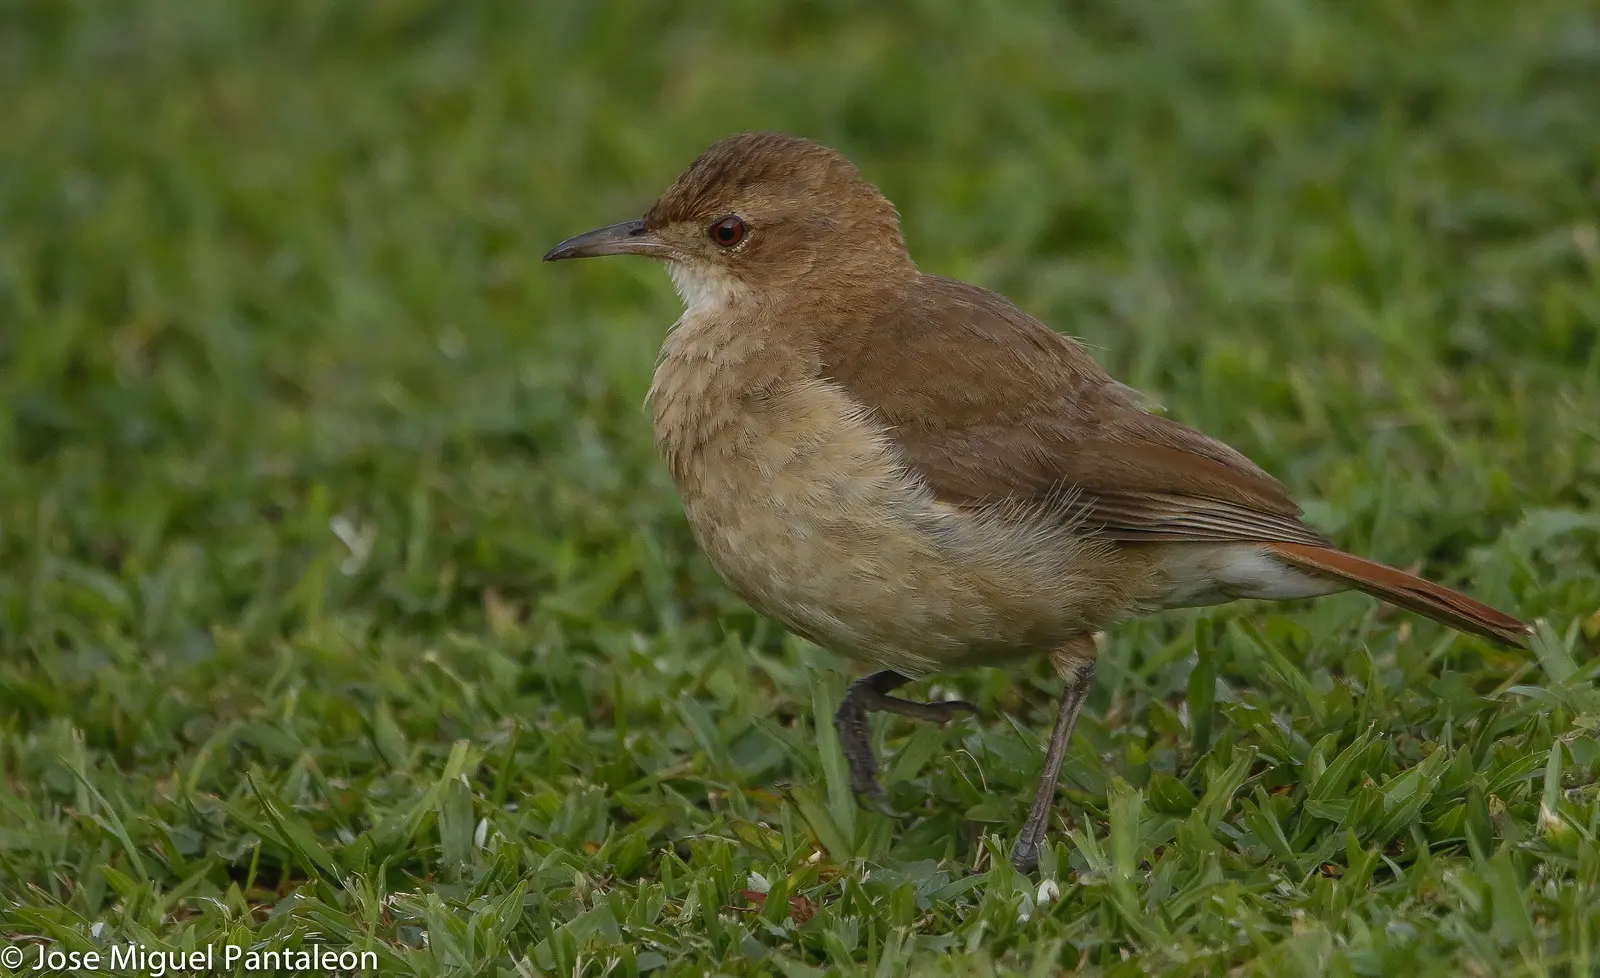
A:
1025, 856
855, 738
941, 712
855, 742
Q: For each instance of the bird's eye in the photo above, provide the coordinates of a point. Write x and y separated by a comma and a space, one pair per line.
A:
727, 232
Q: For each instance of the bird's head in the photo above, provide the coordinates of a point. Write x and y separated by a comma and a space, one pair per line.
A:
757, 215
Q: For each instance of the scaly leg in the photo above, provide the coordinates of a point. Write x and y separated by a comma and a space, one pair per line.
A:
1075, 664
869, 694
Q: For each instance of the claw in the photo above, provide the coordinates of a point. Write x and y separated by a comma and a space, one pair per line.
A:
1025, 856
953, 707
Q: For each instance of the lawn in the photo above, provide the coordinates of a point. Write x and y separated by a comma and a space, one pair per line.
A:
343, 600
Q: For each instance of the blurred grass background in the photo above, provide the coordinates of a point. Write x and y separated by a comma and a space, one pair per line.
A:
341, 594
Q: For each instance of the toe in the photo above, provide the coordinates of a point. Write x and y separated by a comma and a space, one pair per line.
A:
952, 707
1025, 858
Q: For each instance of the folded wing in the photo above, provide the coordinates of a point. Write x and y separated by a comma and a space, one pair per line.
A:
1027, 413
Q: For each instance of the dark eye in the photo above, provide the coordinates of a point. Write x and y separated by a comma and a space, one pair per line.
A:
727, 232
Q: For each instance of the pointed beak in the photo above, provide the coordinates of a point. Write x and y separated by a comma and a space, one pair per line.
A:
627, 238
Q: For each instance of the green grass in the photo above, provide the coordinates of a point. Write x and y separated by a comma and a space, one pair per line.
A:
342, 598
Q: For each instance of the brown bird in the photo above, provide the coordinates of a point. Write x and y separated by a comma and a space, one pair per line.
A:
913, 472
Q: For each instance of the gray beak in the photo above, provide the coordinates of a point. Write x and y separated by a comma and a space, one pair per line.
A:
627, 238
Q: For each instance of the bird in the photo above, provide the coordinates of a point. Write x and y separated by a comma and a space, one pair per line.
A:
916, 474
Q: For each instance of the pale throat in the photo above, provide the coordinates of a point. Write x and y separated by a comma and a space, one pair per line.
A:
704, 289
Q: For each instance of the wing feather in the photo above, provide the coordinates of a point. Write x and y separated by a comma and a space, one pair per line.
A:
987, 403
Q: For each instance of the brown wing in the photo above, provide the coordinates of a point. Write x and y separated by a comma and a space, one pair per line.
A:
988, 403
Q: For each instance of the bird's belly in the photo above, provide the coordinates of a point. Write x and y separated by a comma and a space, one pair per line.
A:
847, 564
803, 506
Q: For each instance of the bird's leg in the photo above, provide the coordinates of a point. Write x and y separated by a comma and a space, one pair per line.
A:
1075, 664
869, 694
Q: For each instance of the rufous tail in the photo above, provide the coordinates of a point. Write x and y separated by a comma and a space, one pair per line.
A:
1408, 591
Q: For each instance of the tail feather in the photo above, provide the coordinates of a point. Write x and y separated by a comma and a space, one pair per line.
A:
1408, 591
